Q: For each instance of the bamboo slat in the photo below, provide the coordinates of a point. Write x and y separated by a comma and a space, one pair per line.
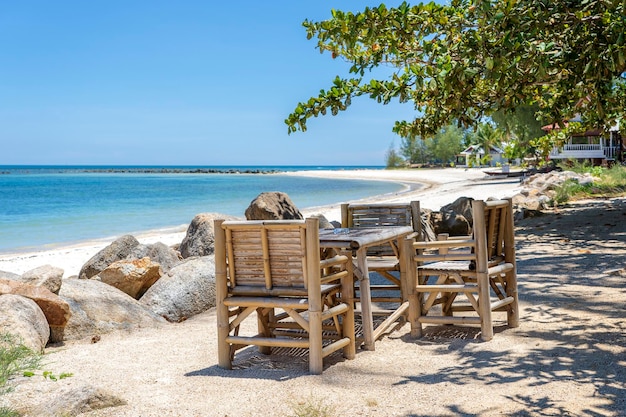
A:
449, 320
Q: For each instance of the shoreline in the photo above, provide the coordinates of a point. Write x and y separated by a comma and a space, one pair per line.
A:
432, 187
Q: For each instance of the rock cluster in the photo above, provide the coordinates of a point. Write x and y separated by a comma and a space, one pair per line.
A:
539, 190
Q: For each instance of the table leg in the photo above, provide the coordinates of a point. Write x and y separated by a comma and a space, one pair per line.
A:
365, 298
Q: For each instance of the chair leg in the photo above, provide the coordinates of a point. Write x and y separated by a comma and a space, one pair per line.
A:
415, 313
316, 365
223, 330
347, 297
484, 305
511, 291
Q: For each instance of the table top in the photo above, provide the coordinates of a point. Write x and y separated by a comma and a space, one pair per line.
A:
356, 238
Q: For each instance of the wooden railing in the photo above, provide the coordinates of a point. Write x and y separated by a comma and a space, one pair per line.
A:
585, 151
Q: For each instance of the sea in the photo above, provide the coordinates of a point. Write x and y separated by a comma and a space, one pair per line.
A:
43, 207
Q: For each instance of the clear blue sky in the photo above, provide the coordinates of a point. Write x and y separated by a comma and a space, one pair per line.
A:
189, 82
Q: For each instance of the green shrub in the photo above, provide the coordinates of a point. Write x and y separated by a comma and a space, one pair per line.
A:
15, 359
608, 182
568, 190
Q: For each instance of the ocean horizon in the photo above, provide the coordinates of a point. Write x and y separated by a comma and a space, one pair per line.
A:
47, 206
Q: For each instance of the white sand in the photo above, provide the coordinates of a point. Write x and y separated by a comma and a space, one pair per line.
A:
432, 187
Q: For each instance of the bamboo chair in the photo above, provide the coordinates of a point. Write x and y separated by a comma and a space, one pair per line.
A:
481, 268
384, 259
273, 268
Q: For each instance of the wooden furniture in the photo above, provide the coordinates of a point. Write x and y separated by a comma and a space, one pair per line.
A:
383, 259
273, 268
480, 269
355, 243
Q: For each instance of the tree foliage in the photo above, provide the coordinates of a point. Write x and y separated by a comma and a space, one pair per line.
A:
464, 61
446, 144
414, 149
393, 159
520, 128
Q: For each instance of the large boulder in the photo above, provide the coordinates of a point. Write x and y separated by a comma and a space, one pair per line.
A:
132, 276
159, 253
200, 237
188, 289
47, 276
273, 206
323, 221
462, 206
23, 318
56, 310
452, 223
98, 308
116, 251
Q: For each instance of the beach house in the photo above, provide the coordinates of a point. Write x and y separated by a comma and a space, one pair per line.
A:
598, 146
474, 155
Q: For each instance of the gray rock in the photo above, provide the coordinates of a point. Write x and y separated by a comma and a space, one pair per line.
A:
9, 275
132, 276
158, 252
188, 289
66, 397
273, 206
462, 206
98, 308
453, 224
47, 276
200, 237
116, 251
23, 318
323, 221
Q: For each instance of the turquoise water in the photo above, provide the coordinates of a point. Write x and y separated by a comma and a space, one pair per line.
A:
48, 206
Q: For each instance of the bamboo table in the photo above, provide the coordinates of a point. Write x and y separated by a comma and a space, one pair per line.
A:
357, 241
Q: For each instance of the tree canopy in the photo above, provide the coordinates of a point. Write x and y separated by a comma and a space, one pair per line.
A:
466, 60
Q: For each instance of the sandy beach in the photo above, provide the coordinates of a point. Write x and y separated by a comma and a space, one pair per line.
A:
565, 359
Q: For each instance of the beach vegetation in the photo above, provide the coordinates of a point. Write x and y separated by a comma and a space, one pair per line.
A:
440, 149
15, 359
414, 150
446, 144
607, 183
312, 408
520, 127
468, 60
393, 159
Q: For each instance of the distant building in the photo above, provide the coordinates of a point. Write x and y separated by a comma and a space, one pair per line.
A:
474, 154
596, 145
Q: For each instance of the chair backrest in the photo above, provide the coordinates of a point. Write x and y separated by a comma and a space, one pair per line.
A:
270, 257
381, 215
495, 218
